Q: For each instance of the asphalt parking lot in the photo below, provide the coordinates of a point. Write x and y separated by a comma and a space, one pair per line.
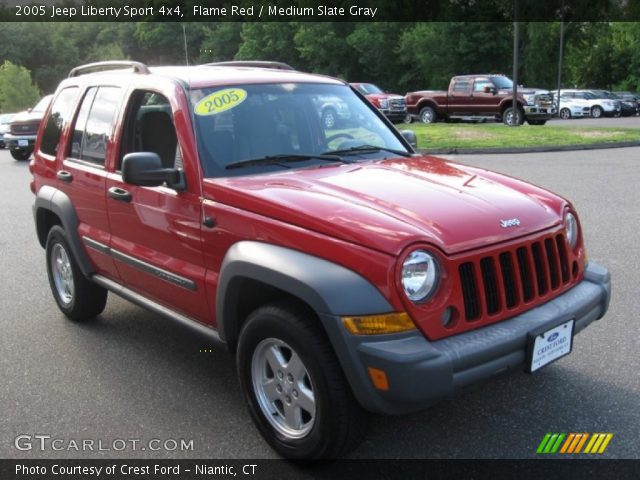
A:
132, 375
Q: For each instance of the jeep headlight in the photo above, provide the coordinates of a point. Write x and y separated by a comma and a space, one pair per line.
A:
419, 275
530, 98
384, 103
571, 230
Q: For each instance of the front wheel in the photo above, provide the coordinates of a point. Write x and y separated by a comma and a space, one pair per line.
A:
294, 386
20, 155
78, 298
596, 111
428, 115
509, 118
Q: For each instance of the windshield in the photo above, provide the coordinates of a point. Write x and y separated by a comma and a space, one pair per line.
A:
42, 105
288, 121
368, 88
502, 82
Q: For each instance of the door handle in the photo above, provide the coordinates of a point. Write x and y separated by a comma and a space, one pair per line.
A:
64, 176
119, 194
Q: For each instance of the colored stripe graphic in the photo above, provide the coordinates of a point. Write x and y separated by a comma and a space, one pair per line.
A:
573, 443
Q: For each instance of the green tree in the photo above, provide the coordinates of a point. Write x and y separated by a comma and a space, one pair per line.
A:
221, 41
269, 41
17, 91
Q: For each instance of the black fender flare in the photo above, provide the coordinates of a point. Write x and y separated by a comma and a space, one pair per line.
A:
328, 288
56, 201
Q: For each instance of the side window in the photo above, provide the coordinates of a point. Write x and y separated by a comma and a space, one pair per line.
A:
480, 85
93, 124
58, 116
149, 128
461, 86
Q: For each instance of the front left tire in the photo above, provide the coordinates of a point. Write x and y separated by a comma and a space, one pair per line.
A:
20, 155
294, 386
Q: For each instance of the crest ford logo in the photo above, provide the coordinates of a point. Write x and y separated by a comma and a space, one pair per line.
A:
595, 443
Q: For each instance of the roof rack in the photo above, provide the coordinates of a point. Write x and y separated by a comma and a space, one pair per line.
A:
111, 65
252, 63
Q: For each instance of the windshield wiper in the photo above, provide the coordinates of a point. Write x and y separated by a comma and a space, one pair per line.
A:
366, 149
284, 158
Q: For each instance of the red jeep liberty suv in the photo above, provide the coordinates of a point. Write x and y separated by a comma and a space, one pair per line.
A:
345, 271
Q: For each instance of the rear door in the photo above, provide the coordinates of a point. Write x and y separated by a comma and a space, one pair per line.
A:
460, 97
82, 174
155, 231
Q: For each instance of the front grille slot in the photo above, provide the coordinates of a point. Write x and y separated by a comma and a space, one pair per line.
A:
491, 294
508, 279
541, 277
525, 273
564, 263
469, 291
553, 263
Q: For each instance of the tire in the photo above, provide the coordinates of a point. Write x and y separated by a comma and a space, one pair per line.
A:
596, 111
507, 116
20, 155
537, 122
428, 115
329, 422
565, 114
408, 118
78, 298
329, 118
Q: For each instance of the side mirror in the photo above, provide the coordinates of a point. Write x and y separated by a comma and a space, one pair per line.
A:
410, 137
489, 89
145, 169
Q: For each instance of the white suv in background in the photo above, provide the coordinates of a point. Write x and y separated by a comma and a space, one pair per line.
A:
569, 107
598, 106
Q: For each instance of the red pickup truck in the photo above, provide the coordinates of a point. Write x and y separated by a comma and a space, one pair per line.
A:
481, 97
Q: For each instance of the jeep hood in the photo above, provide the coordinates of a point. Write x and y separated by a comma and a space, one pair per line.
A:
387, 205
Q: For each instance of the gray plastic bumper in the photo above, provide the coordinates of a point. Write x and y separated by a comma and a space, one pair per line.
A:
420, 372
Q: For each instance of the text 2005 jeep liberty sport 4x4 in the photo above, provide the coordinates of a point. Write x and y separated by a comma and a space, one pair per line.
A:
345, 271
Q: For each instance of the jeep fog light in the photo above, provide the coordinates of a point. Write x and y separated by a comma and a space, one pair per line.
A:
419, 275
571, 230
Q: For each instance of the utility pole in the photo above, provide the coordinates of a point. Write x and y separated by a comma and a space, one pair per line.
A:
516, 40
560, 54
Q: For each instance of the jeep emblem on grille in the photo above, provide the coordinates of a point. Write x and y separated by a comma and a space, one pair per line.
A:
512, 222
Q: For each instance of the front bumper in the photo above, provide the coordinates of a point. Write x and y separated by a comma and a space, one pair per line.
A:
535, 112
394, 116
420, 372
20, 142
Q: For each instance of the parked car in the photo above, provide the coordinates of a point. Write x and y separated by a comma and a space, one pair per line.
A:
23, 129
572, 107
627, 107
630, 97
345, 271
332, 110
390, 104
480, 97
599, 106
5, 118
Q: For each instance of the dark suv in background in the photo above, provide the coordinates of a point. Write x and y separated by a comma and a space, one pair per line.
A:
23, 129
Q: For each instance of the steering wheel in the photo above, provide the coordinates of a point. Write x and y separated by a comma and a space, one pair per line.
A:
339, 135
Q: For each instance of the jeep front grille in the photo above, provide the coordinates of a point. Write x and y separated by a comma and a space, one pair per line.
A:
510, 278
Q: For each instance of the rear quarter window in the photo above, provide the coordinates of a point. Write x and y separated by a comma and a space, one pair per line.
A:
58, 116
